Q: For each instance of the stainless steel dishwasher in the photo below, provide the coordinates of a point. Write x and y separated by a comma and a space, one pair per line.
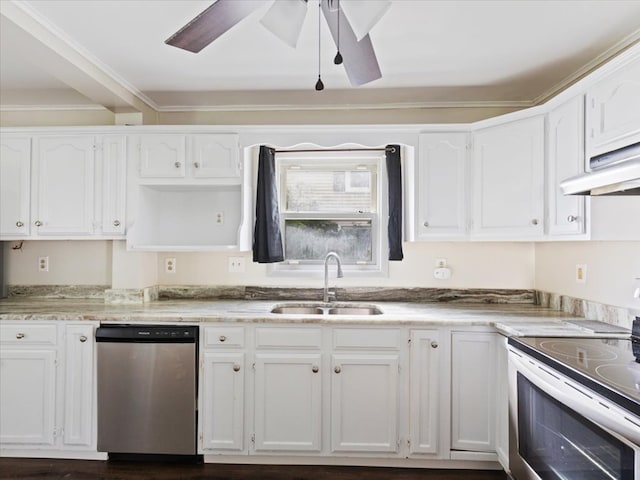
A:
147, 389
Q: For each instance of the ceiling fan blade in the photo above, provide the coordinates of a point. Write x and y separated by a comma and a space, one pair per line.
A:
211, 23
360, 60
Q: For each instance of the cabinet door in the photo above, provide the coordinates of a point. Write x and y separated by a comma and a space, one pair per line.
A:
113, 184
15, 170
508, 180
162, 156
424, 391
502, 402
442, 187
214, 155
364, 399
63, 188
222, 401
79, 398
473, 391
566, 214
613, 111
27, 397
288, 402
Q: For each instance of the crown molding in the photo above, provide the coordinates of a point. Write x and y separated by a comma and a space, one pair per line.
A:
50, 108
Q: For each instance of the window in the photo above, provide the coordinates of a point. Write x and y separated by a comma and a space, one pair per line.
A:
330, 201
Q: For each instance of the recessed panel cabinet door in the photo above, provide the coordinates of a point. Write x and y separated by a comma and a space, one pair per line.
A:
63, 189
114, 178
79, 398
288, 402
214, 156
27, 397
364, 398
222, 405
162, 156
15, 169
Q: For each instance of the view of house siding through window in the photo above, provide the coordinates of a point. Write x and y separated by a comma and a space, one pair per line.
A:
329, 208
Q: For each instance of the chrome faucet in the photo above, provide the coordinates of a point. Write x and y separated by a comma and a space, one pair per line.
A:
327, 293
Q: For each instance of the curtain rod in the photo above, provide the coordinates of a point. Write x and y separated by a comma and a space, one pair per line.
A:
360, 149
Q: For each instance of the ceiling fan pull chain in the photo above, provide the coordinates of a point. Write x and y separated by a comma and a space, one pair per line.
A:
338, 58
319, 84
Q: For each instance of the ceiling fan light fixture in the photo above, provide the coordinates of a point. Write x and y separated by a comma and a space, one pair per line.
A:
285, 19
364, 14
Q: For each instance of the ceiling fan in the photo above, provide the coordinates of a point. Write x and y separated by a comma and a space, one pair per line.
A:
349, 22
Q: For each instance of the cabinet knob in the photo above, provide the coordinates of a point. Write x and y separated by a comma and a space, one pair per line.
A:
19, 335
222, 338
83, 338
116, 223
178, 164
236, 368
337, 369
571, 218
315, 369
196, 164
19, 224
534, 221
426, 224
38, 223
434, 344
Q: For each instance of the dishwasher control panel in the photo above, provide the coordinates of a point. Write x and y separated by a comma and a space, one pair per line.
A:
147, 333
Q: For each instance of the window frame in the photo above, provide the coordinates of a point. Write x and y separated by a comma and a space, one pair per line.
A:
347, 161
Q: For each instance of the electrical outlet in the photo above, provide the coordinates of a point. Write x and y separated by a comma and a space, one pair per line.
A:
236, 264
441, 262
581, 273
219, 218
43, 264
170, 265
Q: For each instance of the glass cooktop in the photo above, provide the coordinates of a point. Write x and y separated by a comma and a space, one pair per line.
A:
609, 366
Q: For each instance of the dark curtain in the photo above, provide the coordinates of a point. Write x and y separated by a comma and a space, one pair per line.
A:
394, 174
267, 238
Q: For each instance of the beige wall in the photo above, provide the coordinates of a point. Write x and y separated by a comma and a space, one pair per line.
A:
612, 267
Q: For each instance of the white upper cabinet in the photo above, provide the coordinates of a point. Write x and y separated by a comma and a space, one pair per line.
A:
112, 184
567, 215
508, 180
613, 111
63, 190
198, 156
15, 174
442, 187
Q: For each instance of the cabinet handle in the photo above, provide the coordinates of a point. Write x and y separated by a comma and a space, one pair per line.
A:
196, 164
222, 338
19, 224
38, 223
426, 224
83, 338
337, 369
19, 335
116, 223
434, 344
534, 221
236, 368
571, 218
178, 164
315, 369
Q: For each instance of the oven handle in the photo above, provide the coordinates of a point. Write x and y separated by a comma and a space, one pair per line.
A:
600, 411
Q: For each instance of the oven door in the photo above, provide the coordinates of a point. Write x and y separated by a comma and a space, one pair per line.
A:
559, 430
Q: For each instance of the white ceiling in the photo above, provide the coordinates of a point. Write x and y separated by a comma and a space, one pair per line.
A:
431, 52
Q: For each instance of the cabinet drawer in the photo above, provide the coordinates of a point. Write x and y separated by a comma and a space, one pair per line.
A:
23, 334
224, 337
274, 337
364, 338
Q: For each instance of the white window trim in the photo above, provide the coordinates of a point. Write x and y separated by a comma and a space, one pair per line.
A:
380, 247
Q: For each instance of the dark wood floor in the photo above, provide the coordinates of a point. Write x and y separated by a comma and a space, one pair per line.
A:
39, 469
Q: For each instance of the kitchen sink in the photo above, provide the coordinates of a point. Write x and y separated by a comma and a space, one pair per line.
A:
327, 309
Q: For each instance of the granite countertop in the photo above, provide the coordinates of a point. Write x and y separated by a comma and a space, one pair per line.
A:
508, 318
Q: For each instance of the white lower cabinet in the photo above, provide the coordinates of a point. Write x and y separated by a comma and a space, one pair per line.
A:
473, 391
47, 387
288, 402
424, 392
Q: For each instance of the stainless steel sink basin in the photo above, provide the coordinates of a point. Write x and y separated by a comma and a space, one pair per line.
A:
297, 310
327, 309
355, 310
